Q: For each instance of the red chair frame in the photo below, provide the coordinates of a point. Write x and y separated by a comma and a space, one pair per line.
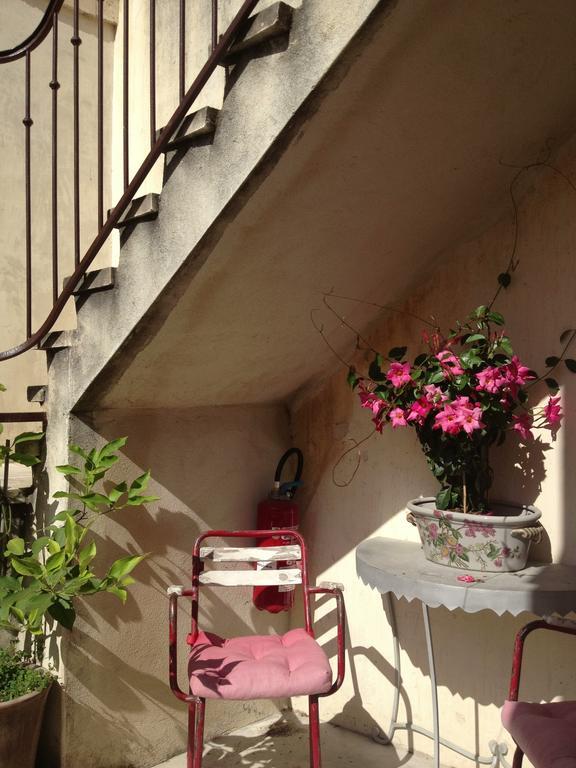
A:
197, 705
563, 625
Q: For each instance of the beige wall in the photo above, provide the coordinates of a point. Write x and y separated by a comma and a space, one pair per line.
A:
210, 468
17, 19
473, 651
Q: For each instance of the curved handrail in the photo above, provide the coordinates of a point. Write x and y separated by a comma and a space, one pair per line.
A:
148, 163
33, 40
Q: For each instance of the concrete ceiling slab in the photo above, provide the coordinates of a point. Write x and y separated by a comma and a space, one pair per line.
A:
402, 158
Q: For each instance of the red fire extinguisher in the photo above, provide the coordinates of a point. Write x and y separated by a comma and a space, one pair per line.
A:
278, 511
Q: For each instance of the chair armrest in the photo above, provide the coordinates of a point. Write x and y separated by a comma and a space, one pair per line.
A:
174, 592
553, 623
335, 591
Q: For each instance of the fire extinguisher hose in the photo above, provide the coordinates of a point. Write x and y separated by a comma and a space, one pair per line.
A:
291, 486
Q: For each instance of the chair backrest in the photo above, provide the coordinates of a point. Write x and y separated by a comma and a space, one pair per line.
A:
291, 548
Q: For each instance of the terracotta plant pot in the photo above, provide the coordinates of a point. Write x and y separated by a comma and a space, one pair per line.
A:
20, 724
497, 542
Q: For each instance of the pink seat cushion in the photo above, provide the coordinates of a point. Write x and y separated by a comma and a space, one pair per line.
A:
546, 733
258, 667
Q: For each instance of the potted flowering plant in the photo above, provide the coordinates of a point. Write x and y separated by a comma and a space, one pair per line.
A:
462, 396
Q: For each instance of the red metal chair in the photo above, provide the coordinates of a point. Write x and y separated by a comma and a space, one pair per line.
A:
545, 733
255, 667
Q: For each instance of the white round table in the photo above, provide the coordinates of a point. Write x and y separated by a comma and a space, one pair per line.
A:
399, 568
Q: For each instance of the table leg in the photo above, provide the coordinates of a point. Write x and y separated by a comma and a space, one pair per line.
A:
433, 687
385, 737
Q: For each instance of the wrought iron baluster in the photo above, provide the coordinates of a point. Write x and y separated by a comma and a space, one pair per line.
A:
100, 114
182, 66
214, 23
28, 122
126, 93
76, 42
55, 85
152, 72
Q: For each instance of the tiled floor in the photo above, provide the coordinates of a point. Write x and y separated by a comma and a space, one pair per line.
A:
282, 742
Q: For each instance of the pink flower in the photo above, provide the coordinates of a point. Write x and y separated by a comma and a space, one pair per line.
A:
506, 552
498, 562
471, 418
522, 424
397, 417
553, 412
467, 578
419, 410
448, 420
371, 401
434, 394
433, 531
399, 374
449, 363
518, 373
459, 549
490, 380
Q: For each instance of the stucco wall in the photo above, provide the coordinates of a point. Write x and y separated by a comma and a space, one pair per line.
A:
17, 19
210, 468
473, 651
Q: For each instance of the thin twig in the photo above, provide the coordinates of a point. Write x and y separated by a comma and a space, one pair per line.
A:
356, 445
382, 306
320, 329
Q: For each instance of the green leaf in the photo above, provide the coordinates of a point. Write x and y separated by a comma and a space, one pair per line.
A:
69, 469
87, 555
63, 612
552, 384
71, 534
94, 500
56, 561
135, 501
24, 459
118, 591
124, 566
475, 337
506, 346
16, 546
352, 377
38, 545
39, 602
53, 547
113, 446
78, 451
27, 437
117, 491
443, 497
479, 312
420, 359
397, 353
27, 566
436, 378
9, 583
551, 361
374, 369
495, 317
570, 364
139, 484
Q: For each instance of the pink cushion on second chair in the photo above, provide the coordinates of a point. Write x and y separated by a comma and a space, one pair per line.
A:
546, 733
258, 667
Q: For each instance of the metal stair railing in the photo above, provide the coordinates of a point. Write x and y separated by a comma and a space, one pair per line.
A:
158, 144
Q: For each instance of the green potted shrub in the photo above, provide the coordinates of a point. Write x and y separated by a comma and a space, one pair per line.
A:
44, 573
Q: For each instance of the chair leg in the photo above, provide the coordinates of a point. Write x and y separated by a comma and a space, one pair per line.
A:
199, 735
517, 761
191, 731
314, 726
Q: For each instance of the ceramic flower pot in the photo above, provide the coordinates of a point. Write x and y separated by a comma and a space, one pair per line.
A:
20, 724
497, 541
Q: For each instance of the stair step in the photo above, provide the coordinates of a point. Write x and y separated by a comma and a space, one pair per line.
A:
38, 393
272, 22
98, 280
59, 340
143, 208
195, 126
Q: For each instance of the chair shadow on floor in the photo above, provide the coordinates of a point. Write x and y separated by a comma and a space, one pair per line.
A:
283, 743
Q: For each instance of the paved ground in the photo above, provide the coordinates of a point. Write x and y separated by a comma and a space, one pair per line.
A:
282, 742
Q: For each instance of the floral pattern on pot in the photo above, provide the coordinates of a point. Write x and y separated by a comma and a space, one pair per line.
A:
498, 541
467, 545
